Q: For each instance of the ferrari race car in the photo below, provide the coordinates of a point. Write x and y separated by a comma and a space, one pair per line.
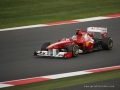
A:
82, 42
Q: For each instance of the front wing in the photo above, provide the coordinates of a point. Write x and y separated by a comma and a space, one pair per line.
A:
53, 53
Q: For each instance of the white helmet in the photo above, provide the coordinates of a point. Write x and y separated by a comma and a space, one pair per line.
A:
74, 37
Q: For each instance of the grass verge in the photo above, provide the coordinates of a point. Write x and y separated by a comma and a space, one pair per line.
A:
65, 82
15, 13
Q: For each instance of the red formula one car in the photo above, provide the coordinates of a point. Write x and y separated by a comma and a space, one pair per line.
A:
82, 42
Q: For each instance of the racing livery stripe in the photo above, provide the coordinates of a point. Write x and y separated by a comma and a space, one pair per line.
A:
64, 22
56, 76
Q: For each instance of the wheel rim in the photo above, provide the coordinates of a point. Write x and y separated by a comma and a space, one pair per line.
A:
110, 44
75, 51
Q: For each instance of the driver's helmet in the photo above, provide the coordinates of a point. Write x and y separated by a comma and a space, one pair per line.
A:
74, 37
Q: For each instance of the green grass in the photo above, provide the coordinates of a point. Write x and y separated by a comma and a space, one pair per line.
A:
65, 82
28, 12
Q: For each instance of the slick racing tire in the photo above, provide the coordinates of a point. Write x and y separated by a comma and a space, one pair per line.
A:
107, 43
74, 49
44, 46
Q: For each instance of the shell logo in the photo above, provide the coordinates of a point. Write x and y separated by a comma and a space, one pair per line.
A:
86, 44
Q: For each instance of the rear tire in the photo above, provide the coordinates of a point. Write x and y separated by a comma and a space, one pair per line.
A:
44, 46
74, 49
107, 43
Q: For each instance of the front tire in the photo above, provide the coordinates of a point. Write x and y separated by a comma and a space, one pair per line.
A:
74, 49
44, 46
107, 43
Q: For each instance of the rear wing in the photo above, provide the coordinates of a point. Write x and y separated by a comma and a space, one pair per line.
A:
97, 29
101, 30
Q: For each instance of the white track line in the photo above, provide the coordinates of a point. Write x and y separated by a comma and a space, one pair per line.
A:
5, 85
63, 75
92, 19
55, 76
24, 27
64, 22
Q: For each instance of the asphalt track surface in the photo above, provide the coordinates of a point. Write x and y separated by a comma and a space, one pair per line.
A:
17, 47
